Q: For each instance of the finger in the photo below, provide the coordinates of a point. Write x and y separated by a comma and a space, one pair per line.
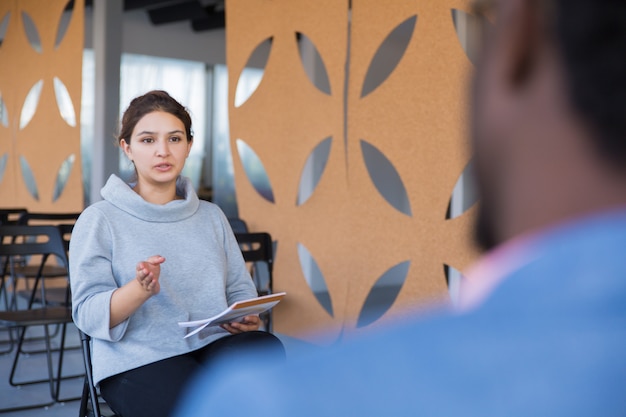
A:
253, 320
156, 259
230, 329
245, 327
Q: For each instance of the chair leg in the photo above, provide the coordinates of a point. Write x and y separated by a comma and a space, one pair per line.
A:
91, 389
84, 399
29, 406
48, 351
59, 377
10, 342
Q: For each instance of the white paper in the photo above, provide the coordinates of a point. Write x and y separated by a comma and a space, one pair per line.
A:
235, 312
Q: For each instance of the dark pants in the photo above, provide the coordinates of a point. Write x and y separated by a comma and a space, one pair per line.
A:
153, 390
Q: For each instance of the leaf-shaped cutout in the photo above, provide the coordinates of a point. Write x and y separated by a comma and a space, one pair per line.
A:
313, 169
315, 278
29, 178
383, 294
469, 32
4, 113
64, 101
62, 176
386, 178
255, 171
388, 55
4, 24
64, 23
30, 104
313, 63
464, 194
3, 165
31, 32
250, 77
454, 278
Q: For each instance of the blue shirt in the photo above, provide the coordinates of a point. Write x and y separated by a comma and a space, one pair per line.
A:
549, 341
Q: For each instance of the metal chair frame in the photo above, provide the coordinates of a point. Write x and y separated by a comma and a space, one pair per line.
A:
26, 240
90, 404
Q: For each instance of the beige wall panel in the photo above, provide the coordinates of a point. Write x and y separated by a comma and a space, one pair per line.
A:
283, 121
416, 118
46, 141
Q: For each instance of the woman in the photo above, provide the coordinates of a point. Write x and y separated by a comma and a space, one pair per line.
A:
152, 254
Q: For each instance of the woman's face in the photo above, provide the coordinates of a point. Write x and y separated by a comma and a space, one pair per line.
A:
158, 147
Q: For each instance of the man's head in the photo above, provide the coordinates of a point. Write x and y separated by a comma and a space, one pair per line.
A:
549, 113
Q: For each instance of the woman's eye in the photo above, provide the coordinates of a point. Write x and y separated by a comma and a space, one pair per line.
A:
175, 139
147, 140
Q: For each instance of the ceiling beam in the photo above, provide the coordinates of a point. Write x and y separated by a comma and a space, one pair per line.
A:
177, 12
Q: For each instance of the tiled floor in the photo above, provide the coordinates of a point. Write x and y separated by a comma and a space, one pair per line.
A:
35, 366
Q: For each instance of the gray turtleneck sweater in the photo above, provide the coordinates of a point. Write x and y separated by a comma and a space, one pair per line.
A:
203, 273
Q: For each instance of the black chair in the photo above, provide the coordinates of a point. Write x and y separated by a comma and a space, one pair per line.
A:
90, 403
54, 295
44, 242
8, 216
11, 215
255, 248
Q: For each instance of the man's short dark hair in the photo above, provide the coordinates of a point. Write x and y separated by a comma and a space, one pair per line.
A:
591, 35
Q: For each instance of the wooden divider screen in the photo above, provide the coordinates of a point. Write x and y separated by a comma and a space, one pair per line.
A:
407, 127
40, 90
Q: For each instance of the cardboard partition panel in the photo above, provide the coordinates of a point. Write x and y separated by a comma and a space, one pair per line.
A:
386, 136
40, 90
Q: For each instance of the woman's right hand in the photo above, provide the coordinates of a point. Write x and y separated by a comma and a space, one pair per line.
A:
148, 273
128, 298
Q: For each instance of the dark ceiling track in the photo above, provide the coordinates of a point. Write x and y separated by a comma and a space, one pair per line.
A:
177, 13
214, 20
202, 17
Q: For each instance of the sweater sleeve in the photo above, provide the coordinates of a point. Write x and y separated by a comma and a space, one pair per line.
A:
91, 277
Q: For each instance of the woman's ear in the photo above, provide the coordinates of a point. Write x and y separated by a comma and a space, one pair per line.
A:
126, 148
189, 143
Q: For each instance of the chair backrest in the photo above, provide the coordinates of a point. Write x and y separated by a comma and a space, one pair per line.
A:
11, 215
28, 240
65, 221
24, 240
41, 218
256, 247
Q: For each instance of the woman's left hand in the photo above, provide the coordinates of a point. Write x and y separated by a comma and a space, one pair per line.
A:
249, 323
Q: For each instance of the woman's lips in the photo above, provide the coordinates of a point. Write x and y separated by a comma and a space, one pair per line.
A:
163, 167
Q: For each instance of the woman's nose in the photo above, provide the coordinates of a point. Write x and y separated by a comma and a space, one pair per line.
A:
162, 148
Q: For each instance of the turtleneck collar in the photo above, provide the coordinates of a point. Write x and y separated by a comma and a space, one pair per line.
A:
122, 196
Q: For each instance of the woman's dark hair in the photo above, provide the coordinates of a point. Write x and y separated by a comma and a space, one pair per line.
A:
156, 100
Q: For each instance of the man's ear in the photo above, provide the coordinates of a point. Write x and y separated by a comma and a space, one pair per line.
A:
522, 33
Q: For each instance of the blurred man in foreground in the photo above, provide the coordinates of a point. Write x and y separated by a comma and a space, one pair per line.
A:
544, 326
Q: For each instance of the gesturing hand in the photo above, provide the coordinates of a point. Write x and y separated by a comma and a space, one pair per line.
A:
148, 273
